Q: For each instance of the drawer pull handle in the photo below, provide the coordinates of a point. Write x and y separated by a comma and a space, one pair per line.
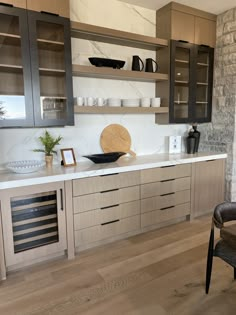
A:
167, 208
109, 174
113, 206
106, 191
61, 193
210, 160
50, 13
167, 180
7, 4
168, 166
110, 222
167, 194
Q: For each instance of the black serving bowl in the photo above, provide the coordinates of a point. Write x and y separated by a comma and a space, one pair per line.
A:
105, 157
105, 62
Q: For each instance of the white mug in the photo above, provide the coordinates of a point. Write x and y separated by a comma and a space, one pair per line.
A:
145, 101
79, 100
90, 101
101, 101
156, 102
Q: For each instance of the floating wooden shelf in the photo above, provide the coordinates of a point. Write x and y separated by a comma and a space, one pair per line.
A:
107, 35
109, 73
119, 110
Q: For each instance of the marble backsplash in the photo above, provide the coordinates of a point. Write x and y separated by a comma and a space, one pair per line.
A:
84, 137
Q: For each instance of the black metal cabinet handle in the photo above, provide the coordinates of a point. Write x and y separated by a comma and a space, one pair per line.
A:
112, 206
106, 191
61, 194
50, 13
109, 174
167, 180
168, 194
168, 166
110, 222
165, 208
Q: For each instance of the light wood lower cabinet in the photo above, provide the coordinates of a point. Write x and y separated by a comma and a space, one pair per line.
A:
208, 180
34, 223
165, 194
105, 207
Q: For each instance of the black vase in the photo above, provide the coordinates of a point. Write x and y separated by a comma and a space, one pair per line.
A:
196, 135
190, 142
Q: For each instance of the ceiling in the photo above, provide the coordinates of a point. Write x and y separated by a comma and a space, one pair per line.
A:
211, 6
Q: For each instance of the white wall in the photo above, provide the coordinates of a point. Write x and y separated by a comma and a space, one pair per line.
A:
147, 137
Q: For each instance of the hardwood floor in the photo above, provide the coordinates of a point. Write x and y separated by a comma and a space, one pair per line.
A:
159, 272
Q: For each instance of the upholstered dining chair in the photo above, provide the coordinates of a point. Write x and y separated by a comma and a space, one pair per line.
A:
225, 247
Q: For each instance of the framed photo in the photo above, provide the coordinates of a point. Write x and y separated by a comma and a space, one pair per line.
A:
68, 157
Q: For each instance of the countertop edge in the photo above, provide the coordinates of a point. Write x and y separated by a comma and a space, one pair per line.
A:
87, 169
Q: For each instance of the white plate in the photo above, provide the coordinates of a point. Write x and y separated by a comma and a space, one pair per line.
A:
131, 102
25, 166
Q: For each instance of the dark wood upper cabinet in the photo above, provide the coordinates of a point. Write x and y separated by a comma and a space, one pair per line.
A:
51, 69
188, 94
35, 69
58, 7
15, 73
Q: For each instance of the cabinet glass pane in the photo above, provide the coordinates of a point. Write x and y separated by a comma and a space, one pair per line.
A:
181, 84
12, 100
51, 58
202, 84
34, 220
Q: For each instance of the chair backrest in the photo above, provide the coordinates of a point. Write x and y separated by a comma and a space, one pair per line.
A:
224, 212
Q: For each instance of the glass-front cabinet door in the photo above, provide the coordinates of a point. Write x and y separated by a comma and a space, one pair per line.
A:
51, 69
181, 81
203, 87
16, 105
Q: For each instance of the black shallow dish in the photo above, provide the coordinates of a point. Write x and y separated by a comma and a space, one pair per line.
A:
105, 157
105, 62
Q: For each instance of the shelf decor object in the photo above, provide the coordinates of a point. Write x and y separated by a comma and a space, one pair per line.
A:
25, 166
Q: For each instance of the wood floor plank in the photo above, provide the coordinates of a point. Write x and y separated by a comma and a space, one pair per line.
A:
157, 273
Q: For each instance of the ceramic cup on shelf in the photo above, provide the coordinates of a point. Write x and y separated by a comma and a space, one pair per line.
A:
79, 101
156, 102
114, 102
145, 102
101, 101
90, 101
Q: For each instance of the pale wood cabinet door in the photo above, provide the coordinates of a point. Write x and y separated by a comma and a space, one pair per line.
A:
207, 186
15, 3
33, 222
60, 7
182, 26
205, 32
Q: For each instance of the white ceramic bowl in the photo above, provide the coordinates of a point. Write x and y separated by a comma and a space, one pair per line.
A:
25, 166
131, 102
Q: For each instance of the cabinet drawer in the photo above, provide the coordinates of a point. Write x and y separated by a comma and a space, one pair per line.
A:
165, 187
100, 232
160, 202
164, 173
106, 199
90, 185
100, 216
158, 216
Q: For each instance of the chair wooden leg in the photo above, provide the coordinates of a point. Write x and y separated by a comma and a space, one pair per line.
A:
209, 260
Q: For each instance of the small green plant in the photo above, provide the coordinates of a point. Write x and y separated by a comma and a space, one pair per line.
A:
49, 142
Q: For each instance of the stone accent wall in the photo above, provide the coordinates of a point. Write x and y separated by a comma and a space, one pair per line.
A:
220, 135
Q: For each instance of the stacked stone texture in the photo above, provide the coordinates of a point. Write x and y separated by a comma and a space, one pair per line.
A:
220, 135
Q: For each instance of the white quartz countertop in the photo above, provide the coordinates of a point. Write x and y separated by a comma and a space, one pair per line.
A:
88, 168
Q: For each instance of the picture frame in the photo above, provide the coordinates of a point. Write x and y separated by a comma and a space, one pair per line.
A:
68, 157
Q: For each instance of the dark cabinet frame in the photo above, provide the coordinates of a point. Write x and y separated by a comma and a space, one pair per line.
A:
193, 53
29, 51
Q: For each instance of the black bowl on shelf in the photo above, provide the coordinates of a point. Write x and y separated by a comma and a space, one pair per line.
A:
105, 62
105, 157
